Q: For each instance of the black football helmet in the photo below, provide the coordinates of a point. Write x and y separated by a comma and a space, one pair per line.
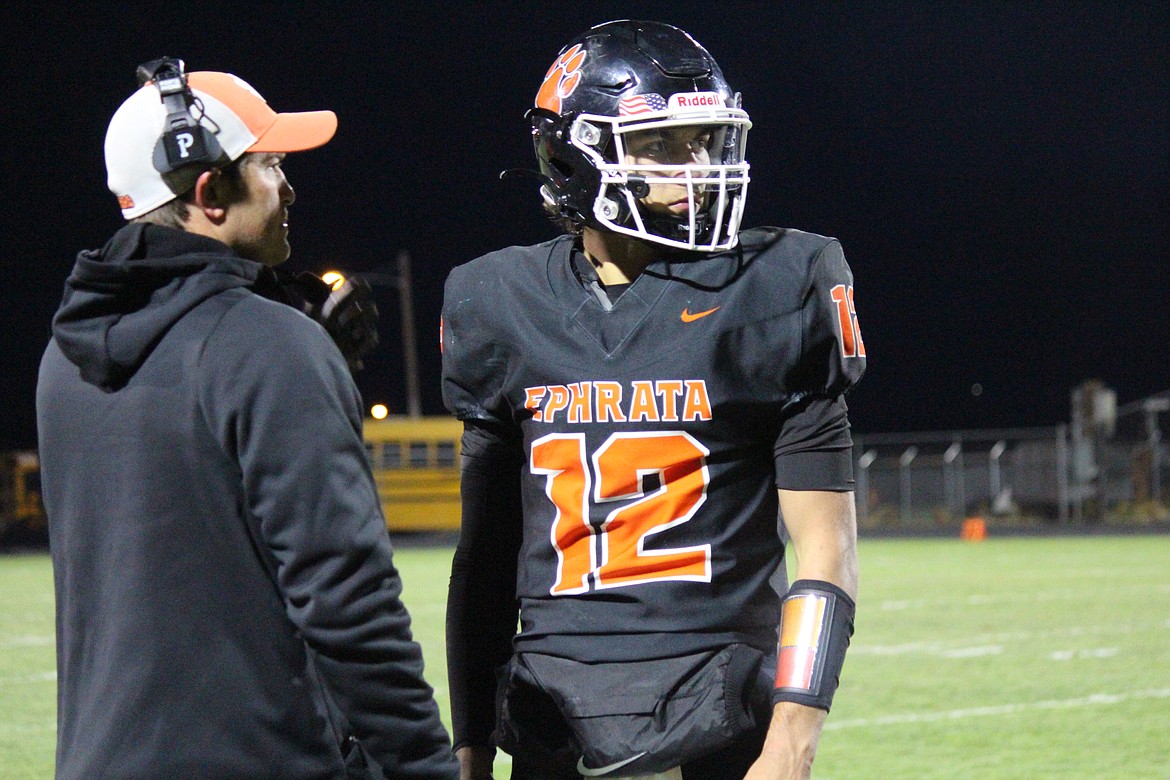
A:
627, 76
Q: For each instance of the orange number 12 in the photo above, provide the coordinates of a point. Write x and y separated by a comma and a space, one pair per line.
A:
614, 555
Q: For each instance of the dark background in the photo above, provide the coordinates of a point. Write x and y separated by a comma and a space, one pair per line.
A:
997, 172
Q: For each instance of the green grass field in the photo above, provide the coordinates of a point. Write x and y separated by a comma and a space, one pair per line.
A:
1010, 659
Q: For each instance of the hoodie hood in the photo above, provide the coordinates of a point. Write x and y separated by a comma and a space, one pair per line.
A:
121, 299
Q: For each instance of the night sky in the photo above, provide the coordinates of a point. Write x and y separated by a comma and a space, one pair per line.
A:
997, 173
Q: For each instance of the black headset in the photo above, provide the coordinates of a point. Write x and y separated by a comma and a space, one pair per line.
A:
185, 140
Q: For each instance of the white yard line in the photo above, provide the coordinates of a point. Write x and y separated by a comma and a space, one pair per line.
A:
1092, 700
1084, 652
1030, 597
972, 652
26, 641
35, 677
18, 729
950, 646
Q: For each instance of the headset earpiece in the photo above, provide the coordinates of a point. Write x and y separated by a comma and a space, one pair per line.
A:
184, 140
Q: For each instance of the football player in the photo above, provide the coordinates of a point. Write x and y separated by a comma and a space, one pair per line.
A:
641, 397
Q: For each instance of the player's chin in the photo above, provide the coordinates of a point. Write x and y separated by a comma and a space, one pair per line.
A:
675, 208
684, 208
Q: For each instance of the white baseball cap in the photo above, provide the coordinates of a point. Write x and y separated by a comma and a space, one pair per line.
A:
232, 109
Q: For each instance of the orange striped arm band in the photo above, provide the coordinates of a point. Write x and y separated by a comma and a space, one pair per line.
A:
816, 624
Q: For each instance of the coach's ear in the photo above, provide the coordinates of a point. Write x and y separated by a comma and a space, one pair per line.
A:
213, 194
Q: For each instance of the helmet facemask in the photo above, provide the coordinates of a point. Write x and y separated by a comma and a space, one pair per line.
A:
715, 187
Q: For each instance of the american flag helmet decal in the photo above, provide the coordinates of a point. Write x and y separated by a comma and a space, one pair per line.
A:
641, 104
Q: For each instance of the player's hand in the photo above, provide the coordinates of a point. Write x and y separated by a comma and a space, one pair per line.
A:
475, 763
791, 744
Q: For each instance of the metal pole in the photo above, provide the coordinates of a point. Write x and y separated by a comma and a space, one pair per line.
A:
904, 462
863, 463
994, 476
409, 342
953, 480
1154, 435
1062, 476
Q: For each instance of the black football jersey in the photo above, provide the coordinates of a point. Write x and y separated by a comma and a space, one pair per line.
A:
650, 427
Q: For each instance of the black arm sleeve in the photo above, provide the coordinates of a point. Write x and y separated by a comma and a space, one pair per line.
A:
481, 604
814, 450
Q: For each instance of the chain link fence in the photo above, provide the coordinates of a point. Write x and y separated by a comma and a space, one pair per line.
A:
1109, 465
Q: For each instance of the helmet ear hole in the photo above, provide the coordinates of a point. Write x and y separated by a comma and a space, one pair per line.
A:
588, 134
609, 208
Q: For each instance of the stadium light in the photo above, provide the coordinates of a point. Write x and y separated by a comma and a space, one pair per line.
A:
333, 278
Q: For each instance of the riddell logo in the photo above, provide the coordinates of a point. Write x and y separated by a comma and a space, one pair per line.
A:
696, 100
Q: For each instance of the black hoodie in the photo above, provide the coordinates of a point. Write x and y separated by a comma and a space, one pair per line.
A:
227, 603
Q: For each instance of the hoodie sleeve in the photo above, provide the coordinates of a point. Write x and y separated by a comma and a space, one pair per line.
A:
280, 399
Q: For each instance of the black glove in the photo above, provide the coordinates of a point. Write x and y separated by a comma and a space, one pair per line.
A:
347, 313
351, 317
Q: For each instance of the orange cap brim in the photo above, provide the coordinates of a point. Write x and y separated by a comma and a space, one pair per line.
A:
296, 132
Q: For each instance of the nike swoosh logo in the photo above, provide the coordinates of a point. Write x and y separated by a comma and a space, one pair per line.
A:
686, 315
605, 770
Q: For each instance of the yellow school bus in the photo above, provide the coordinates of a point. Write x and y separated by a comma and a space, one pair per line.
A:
416, 468
415, 463
21, 512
